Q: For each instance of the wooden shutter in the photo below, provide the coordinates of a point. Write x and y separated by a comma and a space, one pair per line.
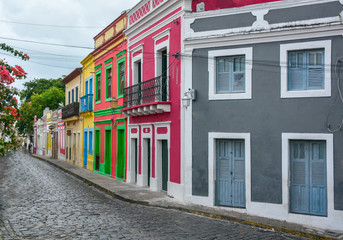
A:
308, 177
318, 190
238, 177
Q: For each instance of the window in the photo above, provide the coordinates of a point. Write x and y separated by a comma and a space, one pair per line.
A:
230, 72
76, 94
98, 86
305, 69
72, 95
122, 78
68, 97
109, 82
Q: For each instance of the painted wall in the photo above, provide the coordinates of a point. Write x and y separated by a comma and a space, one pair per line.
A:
88, 117
220, 4
265, 116
111, 48
174, 72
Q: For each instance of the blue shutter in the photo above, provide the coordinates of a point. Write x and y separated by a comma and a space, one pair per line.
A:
238, 177
318, 204
230, 179
90, 148
299, 177
296, 71
308, 177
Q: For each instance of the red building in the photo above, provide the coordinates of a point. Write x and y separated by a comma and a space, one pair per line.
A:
109, 82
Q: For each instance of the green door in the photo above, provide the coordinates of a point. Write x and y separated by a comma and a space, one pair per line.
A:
121, 154
108, 158
164, 75
149, 162
136, 158
164, 165
97, 149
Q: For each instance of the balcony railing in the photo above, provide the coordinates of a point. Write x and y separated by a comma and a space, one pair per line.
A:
87, 103
153, 90
71, 110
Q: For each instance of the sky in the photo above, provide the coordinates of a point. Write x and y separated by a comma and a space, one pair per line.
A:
64, 22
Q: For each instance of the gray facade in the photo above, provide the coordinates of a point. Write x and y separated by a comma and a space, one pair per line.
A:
266, 116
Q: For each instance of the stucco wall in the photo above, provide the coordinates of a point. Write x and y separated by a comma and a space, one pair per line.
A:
265, 116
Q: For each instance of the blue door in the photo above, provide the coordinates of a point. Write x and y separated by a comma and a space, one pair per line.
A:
85, 137
308, 177
230, 173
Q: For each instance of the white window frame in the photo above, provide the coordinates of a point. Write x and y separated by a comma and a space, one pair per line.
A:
212, 137
212, 55
328, 138
284, 48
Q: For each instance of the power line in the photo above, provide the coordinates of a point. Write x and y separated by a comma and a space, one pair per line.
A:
48, 25
45, 43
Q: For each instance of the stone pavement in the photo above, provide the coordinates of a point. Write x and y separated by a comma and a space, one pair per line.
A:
134, 194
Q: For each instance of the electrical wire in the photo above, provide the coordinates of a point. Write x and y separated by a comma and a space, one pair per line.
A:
49, 25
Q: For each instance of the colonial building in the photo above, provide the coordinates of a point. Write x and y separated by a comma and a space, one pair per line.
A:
110, 80
263, 135
71, 117
87, 103
61, 136
152, 98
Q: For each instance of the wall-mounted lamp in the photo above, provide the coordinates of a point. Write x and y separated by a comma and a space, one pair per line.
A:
114, 103
189, 95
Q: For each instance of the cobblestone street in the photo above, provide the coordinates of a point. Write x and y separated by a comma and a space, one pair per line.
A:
38, 201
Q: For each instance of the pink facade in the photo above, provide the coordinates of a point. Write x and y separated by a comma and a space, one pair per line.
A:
220, 4
152, 101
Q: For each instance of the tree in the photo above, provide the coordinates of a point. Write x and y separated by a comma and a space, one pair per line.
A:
49, 98
39, 86
9, 113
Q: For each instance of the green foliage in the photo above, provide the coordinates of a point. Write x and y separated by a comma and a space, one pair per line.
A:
49, 98
39, 86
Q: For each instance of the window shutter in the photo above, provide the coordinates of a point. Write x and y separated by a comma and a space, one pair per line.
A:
296, 78
223, 83
315, 78
318, 179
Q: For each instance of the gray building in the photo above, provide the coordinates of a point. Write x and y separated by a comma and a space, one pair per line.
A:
264, 135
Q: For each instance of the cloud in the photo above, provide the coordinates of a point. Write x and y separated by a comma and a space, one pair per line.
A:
86, 13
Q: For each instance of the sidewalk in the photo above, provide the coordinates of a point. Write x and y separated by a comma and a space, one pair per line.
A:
139, 195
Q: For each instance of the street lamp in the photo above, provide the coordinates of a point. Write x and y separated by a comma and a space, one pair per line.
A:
189, 95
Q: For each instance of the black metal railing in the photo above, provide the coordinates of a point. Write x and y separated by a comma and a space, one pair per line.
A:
71, 110
153, 90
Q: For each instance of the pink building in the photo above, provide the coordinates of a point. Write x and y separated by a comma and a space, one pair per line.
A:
152, 99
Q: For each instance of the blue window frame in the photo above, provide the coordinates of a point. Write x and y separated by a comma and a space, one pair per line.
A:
90, 142
230, 73
306, 70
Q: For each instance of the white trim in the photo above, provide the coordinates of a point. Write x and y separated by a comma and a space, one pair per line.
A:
332, 220
158, 156
284, 48
212, 95
131, 153
159, 47
212, 136
134, 60
142, 179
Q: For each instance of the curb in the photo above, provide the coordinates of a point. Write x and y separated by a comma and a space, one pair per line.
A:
187, 210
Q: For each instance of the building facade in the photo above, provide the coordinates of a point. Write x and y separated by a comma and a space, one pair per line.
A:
152, 98
109, 82
263, 136
87, 113
61, 136
71, 117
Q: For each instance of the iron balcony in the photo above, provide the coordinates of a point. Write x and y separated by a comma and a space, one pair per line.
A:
71, 110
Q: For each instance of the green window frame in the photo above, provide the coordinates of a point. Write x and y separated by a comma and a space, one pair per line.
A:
121, 73
108, 83
98, 87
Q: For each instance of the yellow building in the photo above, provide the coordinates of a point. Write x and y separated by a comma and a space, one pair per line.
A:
87, 103
71, 117
48, 132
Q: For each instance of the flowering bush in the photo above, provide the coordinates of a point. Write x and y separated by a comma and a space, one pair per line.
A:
9, 113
